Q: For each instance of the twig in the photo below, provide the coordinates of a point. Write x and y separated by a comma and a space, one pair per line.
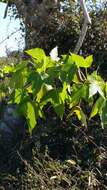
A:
9, 36
87, 137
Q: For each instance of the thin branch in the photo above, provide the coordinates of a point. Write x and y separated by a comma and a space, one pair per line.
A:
85, 11
9, 36
87, 22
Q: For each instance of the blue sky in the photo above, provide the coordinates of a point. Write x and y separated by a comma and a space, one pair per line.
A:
7, 26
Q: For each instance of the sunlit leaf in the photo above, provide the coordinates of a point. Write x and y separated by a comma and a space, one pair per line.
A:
88, 61
30, 115
44, 89
7, 69
80, 61
94, 87
54, 54
18, 95
63, 94
96, 84
97, 107
36, 53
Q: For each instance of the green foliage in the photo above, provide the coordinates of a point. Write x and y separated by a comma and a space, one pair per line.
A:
50, 79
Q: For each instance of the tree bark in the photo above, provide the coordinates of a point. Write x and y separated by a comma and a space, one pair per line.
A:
37, 17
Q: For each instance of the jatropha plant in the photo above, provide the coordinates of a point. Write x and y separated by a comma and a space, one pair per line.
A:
61, 81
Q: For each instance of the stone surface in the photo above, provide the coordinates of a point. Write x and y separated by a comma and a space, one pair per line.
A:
12, 128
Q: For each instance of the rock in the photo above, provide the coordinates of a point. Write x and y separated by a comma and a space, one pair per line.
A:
12, 128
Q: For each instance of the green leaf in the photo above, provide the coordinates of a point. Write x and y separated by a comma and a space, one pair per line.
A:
68, 63
89, 60
30, 115
78, 60
69, 68
63, 93
36, 53
51, 96
20, 67
44, 89
103, 115
17, 80
79, 92
7, 69
97, 107
36, 81
18, 95
81, 62
59, 109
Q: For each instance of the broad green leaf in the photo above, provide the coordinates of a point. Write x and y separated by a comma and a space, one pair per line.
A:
67, 65
36, 53
89, 60
63, 94
70, 69
71, 73
30, 115
18, 95
79, 92
17, 80
49, 63
44, 89
59, 109
97, 107
80, 61
51, 96
36, 81
103, 115
54, 71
